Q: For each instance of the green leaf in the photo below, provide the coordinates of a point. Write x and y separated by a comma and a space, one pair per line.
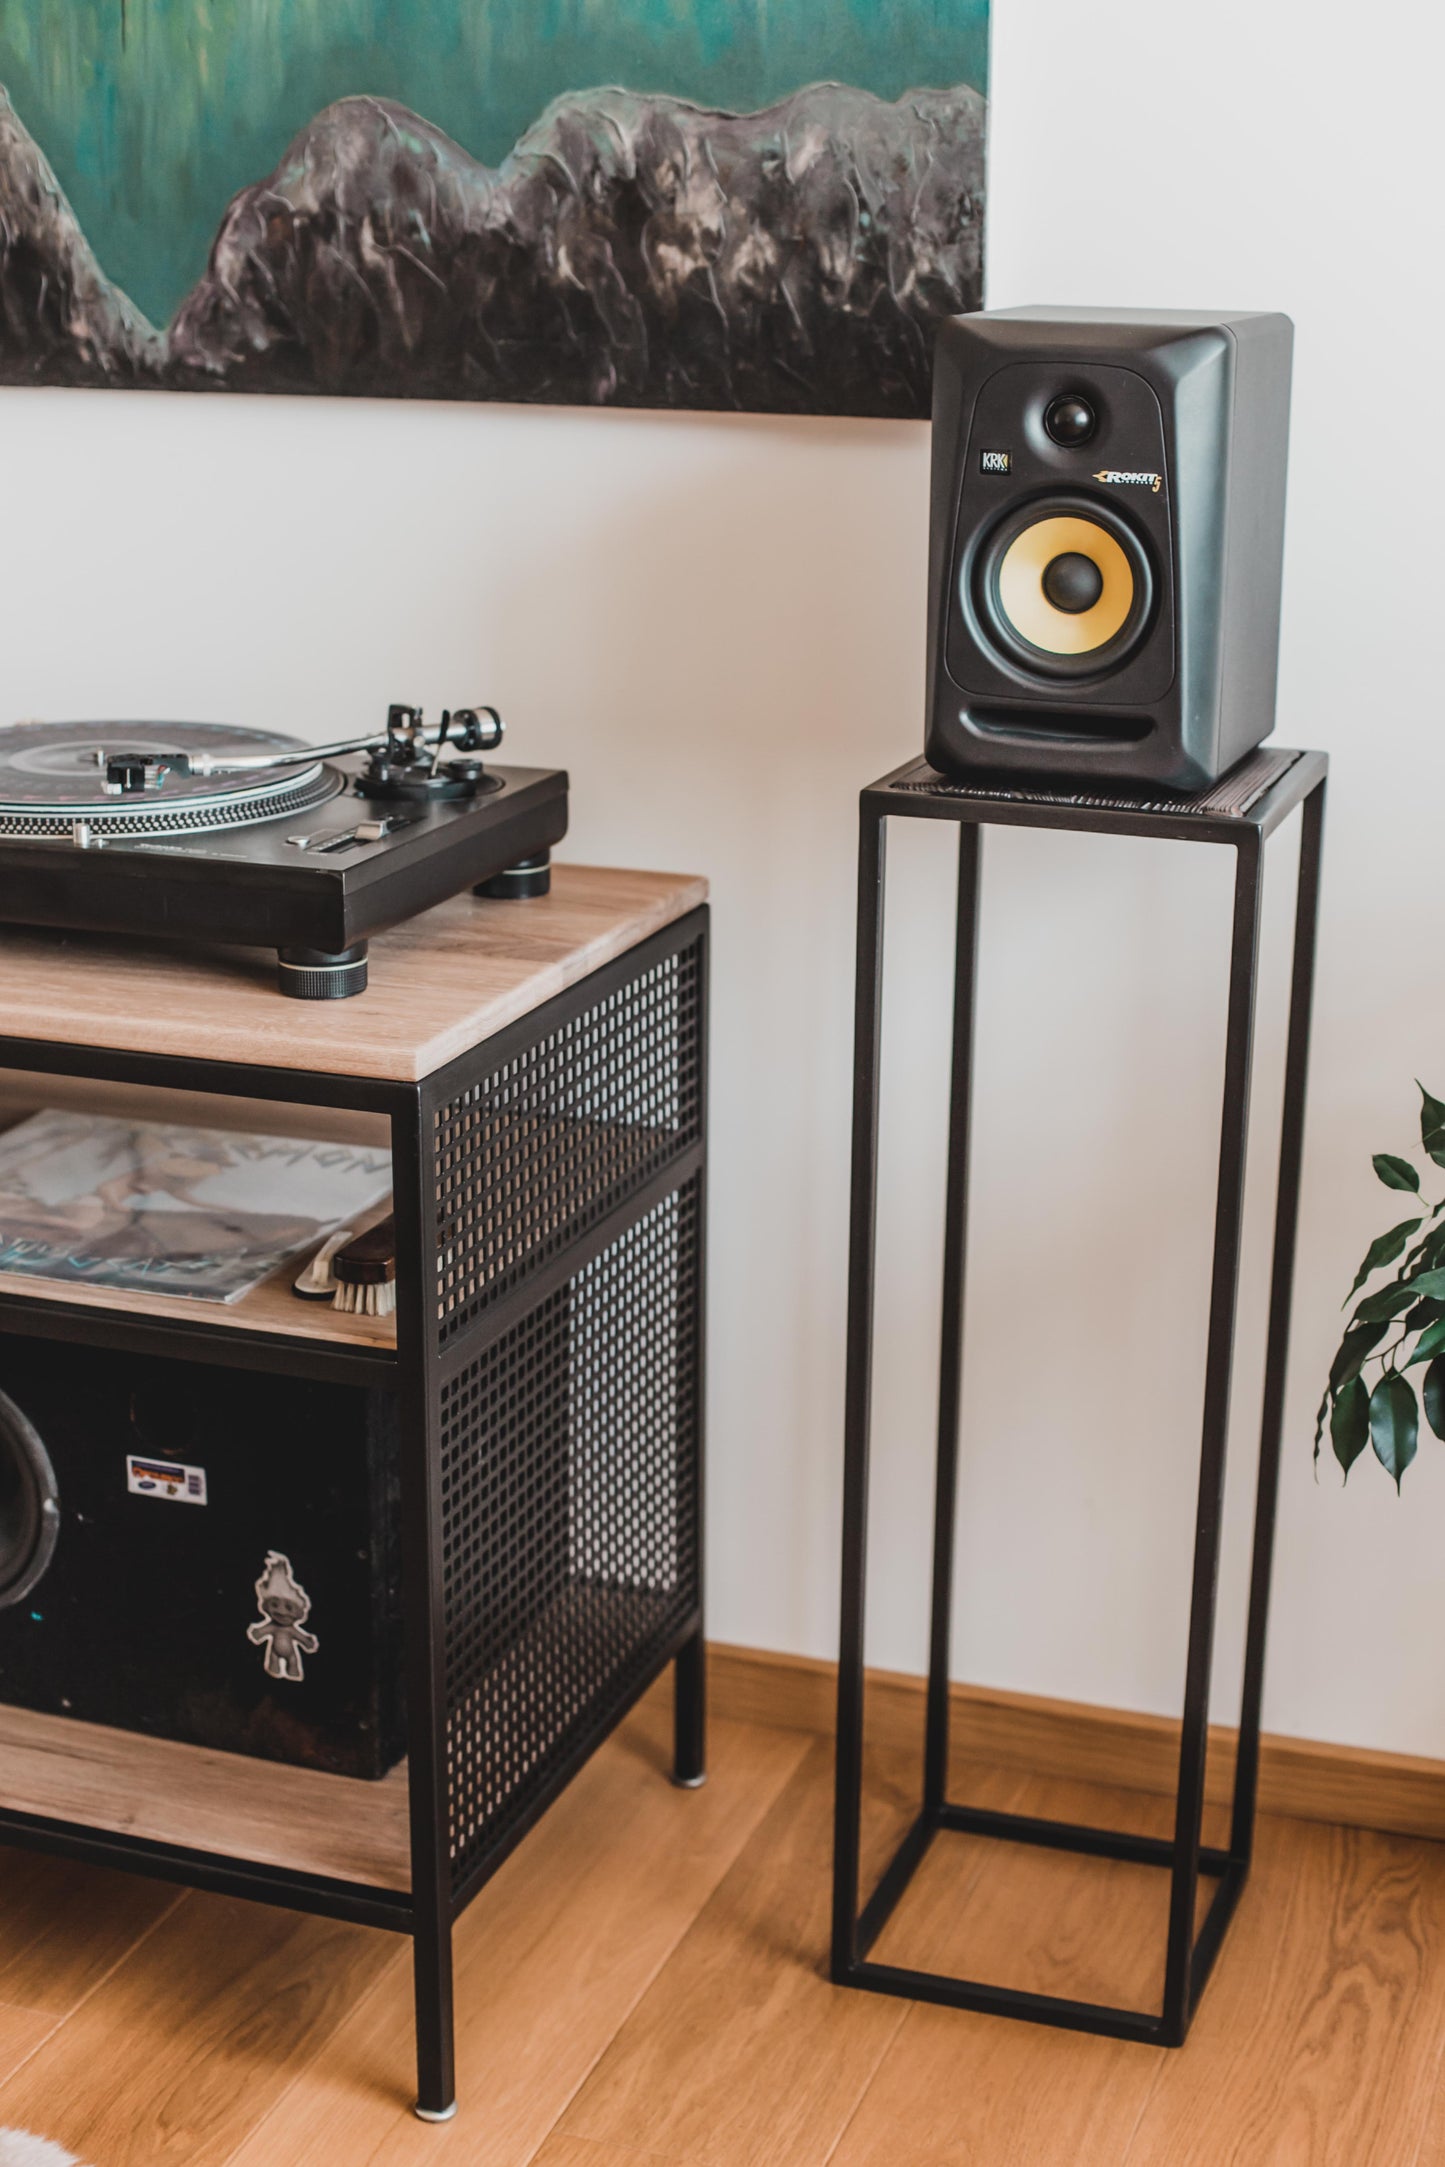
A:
1422, 1314
1350, 1423
1354, 1347
1395, 1173
1387, 1303
1432, 1125
1430, 1286
1429, 1250
1394, 1424
1432, 1392
1431, 1340
1384, 1250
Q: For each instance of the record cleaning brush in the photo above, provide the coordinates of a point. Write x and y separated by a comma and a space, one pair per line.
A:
315, 1283
364, 1269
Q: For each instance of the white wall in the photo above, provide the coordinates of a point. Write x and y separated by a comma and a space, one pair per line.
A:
717, 624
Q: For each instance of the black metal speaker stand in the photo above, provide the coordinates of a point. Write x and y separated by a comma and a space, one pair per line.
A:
1240, 812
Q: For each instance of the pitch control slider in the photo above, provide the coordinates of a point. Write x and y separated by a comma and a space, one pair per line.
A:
404, 742
326, 840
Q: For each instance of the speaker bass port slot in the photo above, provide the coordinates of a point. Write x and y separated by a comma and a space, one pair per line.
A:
1062, 587
1077, 727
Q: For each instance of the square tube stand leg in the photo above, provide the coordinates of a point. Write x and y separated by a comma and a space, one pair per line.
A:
1188, 1957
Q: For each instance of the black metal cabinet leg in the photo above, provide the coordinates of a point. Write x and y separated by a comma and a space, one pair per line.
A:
689, 1714
423, 1597
1281, 1295
436, 2075
950, 1370
858, 1392
689, 1673
1183, 1974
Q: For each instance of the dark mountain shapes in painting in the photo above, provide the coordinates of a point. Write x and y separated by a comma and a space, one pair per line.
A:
61, 320
633, 251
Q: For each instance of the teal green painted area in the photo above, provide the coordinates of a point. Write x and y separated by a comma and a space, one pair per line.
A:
155, 112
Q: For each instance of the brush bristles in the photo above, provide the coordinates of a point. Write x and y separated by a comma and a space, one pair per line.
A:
378, 1300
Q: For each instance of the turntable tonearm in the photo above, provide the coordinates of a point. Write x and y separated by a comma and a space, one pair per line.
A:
200, 831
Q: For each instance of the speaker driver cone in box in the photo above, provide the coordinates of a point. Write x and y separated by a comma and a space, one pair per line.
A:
29, 1506
1063, 587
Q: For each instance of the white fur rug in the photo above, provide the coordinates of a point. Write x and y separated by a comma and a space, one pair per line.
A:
19, 2149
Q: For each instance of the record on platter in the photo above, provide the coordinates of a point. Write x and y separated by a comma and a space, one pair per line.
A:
52, 777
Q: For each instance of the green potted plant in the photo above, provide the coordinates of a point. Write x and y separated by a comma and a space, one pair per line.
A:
1391, 1360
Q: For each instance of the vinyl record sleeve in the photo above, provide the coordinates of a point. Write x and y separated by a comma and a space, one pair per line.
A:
153, 1207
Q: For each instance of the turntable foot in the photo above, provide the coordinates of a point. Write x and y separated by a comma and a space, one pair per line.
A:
310, 974
529, 876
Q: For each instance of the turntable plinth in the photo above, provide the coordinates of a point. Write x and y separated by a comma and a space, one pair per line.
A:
204, 833
440, 982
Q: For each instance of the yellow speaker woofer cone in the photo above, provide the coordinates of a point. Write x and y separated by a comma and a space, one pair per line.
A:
1092, 561
1024, 599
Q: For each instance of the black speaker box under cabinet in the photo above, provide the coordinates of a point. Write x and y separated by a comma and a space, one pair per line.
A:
1106, 540
200, 1553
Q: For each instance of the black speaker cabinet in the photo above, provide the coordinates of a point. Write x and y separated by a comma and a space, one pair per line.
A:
201, 1553
1106, 540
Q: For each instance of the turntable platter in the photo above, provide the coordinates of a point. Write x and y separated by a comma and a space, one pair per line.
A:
52, 778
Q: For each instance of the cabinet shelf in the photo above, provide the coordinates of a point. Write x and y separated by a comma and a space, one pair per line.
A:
268, 1328
298, 1819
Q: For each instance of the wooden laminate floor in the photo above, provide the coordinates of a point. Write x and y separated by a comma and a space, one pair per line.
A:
644, 1984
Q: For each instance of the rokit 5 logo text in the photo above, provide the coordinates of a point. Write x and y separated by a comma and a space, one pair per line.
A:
1131, 480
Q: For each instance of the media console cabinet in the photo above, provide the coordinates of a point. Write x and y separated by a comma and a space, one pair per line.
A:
539, 1071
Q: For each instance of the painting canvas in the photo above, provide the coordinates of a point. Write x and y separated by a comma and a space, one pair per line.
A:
755, 204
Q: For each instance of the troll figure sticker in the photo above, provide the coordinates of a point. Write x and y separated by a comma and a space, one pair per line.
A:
284, 1606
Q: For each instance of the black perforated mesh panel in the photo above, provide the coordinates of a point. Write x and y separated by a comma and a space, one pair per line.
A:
544, 1146
570, 1518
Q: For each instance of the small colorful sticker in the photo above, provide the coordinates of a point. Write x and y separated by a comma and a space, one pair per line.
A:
284, 1606
166, 1479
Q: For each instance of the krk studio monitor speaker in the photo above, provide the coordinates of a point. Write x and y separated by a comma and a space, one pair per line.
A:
1107, 529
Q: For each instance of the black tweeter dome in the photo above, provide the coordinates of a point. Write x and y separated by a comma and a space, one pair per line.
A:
1106, 546
1070, 420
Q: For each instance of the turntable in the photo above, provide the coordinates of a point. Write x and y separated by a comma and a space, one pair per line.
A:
199, 831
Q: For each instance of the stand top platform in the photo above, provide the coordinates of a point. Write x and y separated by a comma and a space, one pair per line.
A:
439, 984
1251, 800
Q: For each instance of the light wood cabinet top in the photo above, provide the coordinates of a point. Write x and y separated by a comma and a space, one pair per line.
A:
438, 984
